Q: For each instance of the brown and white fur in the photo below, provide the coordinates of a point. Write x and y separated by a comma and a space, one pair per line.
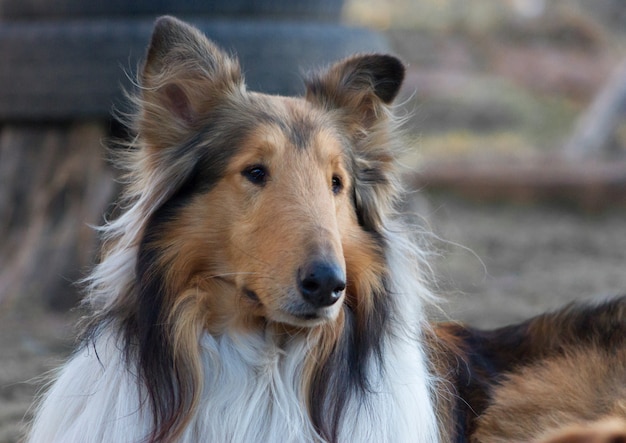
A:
258, 285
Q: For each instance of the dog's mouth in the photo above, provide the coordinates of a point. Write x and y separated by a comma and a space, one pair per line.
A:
309, 316
295, 311
307, 319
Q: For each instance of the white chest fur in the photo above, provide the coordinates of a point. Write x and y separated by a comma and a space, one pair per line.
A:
252, 392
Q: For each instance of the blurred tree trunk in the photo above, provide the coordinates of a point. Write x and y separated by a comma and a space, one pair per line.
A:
54, 184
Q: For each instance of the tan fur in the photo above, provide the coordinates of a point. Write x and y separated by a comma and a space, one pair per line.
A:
584, 386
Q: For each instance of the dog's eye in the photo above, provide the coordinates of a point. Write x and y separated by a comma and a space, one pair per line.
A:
256, 174
337, 184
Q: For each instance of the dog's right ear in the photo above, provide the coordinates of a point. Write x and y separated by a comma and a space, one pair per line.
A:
183, 78
359, 90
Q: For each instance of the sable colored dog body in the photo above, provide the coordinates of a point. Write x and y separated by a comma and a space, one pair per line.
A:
259, 287
559, 377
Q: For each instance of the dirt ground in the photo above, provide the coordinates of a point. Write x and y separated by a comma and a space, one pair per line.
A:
503, 263
494, 263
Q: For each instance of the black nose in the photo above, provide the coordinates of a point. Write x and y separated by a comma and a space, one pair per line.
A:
321, 283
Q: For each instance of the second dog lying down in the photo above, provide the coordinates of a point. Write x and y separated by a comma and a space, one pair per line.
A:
557, 377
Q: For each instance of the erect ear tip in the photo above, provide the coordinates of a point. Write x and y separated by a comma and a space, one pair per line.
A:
163, 27
165, 23
388, 73
167, 27
160, 39
164, 20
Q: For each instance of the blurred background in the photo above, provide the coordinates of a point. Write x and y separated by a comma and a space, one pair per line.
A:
515, 142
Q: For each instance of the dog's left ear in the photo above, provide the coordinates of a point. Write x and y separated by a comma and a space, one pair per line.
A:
361, 86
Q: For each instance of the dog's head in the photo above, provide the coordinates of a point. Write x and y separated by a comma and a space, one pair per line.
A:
263, 207
251, 213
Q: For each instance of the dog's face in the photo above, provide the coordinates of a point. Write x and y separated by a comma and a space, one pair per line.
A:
267, 208
276, 220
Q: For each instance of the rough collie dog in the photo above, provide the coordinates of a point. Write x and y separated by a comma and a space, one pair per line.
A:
258, 287
255, 288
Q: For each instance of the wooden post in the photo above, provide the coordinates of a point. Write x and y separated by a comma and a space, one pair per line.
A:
55, 183
597, 124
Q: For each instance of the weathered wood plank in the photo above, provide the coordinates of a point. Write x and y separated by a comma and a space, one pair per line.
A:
55, 182
587, 185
